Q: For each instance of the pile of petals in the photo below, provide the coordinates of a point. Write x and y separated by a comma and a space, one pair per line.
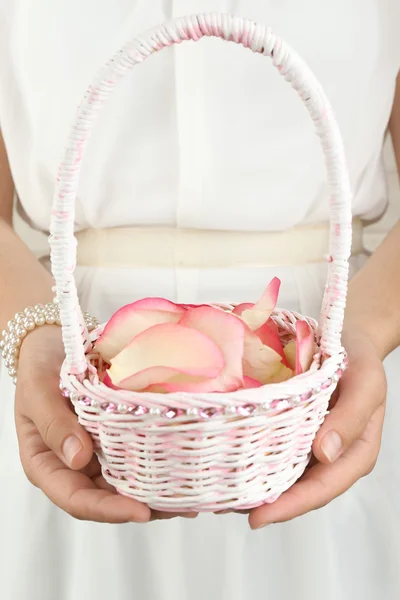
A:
155, 345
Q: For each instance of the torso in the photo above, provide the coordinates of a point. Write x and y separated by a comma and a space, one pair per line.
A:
203, 135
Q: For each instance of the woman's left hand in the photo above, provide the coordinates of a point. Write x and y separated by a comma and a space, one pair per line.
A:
347, 445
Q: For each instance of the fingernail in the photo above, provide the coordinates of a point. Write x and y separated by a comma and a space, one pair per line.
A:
331, 445
71, 447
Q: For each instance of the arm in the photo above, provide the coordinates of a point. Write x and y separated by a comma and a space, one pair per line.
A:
378, 283
347, 445
53, 446
28, 282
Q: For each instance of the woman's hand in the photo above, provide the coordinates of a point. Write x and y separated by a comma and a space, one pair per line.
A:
56, 452
348, 443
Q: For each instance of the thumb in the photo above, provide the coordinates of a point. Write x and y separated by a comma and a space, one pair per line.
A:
361, 391
43, 403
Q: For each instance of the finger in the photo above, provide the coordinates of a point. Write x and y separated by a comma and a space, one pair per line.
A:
74, 492
322, 483
93, 469
362, 390
158, 515
41, 401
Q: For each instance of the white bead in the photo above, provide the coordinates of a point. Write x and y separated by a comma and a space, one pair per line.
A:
4, 354
296, 400
2, 344
95, 404
316, 391
14, 340
230, 410
12, 362
155, 411
58, 321
14, 380
11, 325
192, 411
29, 324
13, 351
39, 307
50, 319
19, 318
29, 311
21, 332
12, 372
122, 408
264, 406
40, 320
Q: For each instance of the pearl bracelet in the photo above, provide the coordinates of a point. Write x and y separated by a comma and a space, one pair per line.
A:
24, 322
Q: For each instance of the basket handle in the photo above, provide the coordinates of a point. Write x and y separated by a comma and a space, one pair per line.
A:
263, 41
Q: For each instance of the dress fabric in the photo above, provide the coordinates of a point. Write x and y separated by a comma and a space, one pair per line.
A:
206, 136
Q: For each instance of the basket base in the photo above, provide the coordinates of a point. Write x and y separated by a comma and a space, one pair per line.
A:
203, 503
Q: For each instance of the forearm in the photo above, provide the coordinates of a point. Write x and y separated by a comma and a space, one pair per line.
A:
23, 280
373, 304
374, 293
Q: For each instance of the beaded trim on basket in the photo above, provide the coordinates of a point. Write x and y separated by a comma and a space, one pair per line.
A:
245, 410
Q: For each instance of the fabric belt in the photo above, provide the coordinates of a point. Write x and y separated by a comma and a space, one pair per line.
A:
144, 247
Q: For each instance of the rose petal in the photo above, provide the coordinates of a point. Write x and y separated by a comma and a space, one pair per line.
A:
107, 381
249, 383
262, 363
238, 310
290, 353
129, 321
187, 306
160, 379
172, 347
269, 335
305, 346
227, 332
259, 314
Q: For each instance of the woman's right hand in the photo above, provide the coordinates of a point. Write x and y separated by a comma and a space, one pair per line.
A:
56, 452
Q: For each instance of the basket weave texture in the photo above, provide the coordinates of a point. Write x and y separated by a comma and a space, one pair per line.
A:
204, 452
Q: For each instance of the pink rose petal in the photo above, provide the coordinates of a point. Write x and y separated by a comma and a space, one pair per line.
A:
249, 383
161, 380
262, 363
174, 349
227, 332
131, 320
238, 310
290, 354
305, 347
259, 314
269, 335
107, 381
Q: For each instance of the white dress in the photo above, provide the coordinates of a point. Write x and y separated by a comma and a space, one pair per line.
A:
203, 136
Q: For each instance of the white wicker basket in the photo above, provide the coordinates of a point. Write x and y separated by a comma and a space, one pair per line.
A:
204, 452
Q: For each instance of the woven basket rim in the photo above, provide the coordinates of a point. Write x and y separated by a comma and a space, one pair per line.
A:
323, 369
